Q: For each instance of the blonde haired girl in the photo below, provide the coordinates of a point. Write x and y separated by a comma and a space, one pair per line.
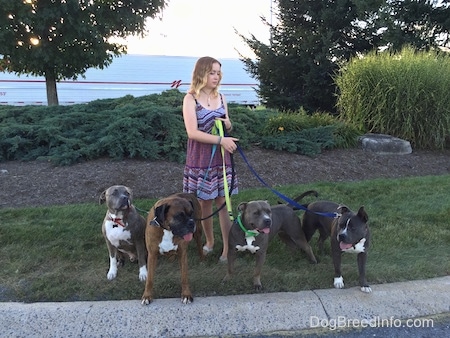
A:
202, 106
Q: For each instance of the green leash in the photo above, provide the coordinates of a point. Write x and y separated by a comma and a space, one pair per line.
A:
218, 130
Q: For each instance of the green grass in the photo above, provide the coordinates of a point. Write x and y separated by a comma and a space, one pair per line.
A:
58, 253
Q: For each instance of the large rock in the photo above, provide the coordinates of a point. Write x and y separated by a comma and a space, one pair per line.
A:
385, 144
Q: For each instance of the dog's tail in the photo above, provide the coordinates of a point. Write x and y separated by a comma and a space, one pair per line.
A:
306, 193
300, 197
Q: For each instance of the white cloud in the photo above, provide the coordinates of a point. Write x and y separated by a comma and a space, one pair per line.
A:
204, 27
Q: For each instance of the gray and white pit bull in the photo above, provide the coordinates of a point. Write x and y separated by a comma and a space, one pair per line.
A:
256, 225
349, 233
124, 230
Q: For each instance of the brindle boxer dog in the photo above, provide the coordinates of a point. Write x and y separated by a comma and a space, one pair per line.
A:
171, 224
349, 233
123, 229
256, 225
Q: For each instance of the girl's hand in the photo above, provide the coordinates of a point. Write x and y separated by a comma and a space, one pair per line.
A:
229, 143
226, 121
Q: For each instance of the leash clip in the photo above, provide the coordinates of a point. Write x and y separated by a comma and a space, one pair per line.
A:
337, 215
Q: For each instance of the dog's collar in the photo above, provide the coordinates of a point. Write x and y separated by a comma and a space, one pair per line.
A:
248, 233
116, 221
155, 223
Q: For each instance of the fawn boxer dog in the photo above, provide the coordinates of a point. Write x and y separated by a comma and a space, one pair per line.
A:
256, 225
124, 230
349, 233
171, 224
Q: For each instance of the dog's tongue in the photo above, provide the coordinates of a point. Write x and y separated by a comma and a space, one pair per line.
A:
345, 246
188, 237
265, 230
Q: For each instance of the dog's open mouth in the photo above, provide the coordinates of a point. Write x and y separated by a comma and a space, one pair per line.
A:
345, 246
264, 230
188, 237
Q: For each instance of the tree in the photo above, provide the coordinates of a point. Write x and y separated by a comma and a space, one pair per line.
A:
307, 42
423, 24
61, 39
310, 39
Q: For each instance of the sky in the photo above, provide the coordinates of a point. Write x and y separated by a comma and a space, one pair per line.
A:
204, 28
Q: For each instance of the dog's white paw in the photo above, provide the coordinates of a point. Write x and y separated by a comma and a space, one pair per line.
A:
338, 282
366, 289
111, 274
146, 301
142, 273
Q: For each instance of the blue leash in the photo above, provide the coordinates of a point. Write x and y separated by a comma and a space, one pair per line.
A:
287, 199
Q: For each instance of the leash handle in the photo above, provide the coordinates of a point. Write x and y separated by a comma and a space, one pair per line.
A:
287, 199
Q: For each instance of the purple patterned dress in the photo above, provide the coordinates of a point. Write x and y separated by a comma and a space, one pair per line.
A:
198, 179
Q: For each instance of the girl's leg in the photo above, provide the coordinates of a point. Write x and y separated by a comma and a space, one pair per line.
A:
225, 225
207, 223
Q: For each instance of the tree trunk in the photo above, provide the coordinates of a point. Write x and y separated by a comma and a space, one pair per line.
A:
50, 84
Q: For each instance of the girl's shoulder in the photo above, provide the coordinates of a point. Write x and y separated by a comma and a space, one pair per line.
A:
189, 97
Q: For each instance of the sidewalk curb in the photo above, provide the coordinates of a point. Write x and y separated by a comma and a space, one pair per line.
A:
226, 315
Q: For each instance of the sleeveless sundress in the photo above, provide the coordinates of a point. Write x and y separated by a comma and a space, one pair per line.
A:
207, 183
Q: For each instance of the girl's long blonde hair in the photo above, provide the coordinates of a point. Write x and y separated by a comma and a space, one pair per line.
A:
202, 68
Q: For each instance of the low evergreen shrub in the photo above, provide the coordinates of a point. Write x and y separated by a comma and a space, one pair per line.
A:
308, 134
148, 127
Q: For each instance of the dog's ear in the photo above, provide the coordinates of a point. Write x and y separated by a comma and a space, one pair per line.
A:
342, 209
241, 207
192, 205
130, 193
160, 213
362, 214
102, 198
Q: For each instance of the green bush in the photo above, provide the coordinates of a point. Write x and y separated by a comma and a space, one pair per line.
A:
403, 94
149, 127
307, 134
307, 142
296, 121
248, 124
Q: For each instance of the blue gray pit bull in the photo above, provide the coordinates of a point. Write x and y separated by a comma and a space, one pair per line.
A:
349, 234
124, 230
256, 225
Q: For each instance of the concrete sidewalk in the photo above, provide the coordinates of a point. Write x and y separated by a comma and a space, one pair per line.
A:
229, 315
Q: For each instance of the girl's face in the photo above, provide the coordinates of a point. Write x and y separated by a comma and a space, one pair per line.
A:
214, 76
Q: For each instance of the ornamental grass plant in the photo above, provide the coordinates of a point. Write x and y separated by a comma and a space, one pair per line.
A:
404, 94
